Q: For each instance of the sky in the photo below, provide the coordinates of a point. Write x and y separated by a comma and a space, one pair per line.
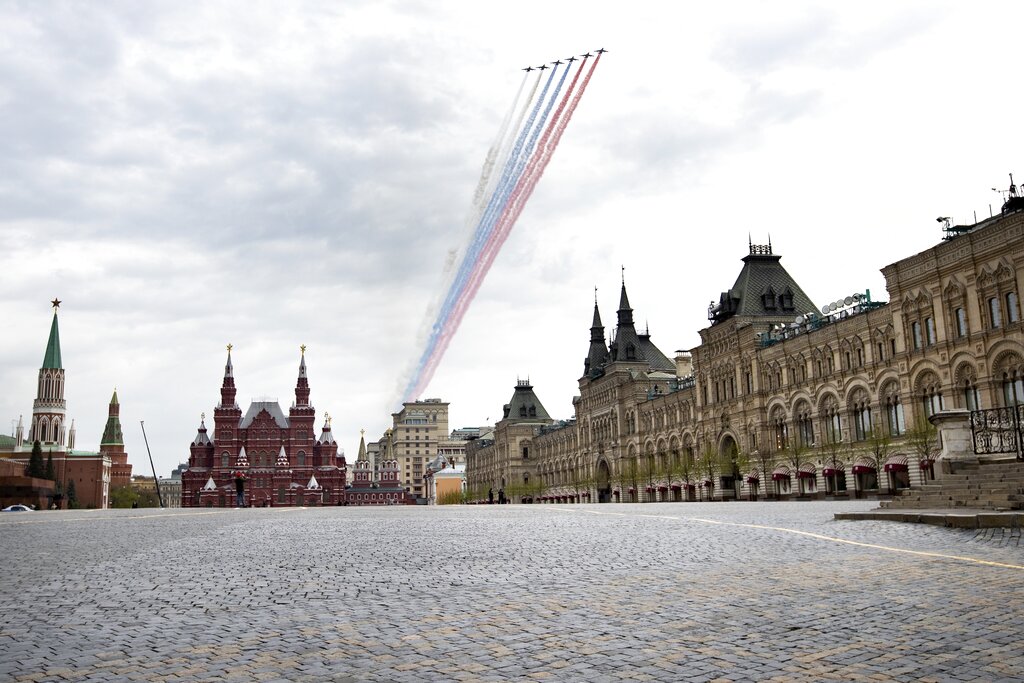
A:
187, 175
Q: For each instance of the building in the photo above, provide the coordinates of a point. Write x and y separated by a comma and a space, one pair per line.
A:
273, 459
784, 398
505, 461
89, 473
416, 431
380, 485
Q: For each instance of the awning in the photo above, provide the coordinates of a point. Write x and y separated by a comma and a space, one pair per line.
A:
632, 490
926, 463
829, 471
708, 483
663, 488
780, 476
804, 474
895, 467
649, 489
863, 469
676, 487
753, 480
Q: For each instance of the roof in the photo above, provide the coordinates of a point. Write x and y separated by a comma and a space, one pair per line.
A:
52, 357
271, 407
763, 288
525, 405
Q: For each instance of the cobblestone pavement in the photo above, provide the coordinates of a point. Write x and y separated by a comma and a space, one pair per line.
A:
679, 592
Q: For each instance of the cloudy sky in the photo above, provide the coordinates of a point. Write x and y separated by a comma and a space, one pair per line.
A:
185, 175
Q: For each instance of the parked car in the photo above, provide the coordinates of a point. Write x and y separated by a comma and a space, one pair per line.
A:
17, 508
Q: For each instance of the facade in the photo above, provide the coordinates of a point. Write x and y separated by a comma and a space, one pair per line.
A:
785, 398
270, 458
92, 472
417, 430
380, 485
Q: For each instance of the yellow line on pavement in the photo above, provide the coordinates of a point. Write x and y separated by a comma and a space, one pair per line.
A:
810, 534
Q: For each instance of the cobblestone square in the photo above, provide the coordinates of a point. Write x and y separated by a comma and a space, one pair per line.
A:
690, 592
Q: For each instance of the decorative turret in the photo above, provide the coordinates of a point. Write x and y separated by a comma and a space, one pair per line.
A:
243, 459
361, 456
302, 384
71, 436
19, 435
326, 437
112, 431
597, 356
202, 439
227, 388
282, 459
627, 343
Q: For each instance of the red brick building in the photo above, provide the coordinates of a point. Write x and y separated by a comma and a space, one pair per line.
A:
277, 460
91, 471
380, 487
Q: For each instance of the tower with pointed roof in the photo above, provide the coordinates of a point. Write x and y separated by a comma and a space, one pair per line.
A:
112, 445
49, 408
597, 355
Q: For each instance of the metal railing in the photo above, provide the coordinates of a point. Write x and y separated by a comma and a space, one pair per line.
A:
998, 430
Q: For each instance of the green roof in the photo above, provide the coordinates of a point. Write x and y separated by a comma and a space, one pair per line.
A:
52, 357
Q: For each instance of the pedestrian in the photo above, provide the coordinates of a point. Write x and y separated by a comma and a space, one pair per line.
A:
490, 496
501, 496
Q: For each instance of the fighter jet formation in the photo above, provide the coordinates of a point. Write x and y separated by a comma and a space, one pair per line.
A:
570, 60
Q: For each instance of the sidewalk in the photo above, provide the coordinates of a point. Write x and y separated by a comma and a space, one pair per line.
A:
960, 518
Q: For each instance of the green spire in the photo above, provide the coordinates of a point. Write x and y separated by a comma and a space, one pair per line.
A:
112, 430
52, 357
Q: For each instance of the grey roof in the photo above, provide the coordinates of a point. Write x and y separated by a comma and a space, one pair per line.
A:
271, 407
653, 355
202, 439
525, 405
763, 288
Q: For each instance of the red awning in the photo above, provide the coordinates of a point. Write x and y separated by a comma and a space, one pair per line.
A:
649, 489
631, 489
829, 471
663, 488
676, 487
805, 475
927, 462
753, 480
895, 467
780, 476
863, 469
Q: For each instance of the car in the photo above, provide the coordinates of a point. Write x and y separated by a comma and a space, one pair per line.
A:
17, 508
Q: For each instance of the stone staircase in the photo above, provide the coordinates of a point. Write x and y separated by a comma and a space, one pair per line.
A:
988, 486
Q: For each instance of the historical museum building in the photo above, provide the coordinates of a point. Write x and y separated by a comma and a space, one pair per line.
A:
269, 458
783, 397
93, 472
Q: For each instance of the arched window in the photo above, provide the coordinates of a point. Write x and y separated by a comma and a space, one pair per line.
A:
894, 410
805, 426
779, 429
301, 458
930, 393
860, 412
1013, 388
1012, 312
225, 459
832, 420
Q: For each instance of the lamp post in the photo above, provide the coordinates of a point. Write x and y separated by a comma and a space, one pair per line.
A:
156, 482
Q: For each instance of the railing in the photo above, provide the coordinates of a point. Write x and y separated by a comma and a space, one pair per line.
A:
998, 430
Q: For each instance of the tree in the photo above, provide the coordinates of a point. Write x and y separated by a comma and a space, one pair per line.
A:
72, 495
765, 461
879, 447
123, 497
650, 473
923, 439
50, 473
706, 464
35, 463
735, 462
833, 455
796, 455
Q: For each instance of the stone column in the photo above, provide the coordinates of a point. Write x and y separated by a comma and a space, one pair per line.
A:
955, 440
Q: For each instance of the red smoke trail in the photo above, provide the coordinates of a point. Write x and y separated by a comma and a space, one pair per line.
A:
522, 193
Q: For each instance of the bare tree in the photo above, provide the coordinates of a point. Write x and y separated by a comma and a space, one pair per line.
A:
833, 455
707, 463
765, 461
796, 455
923, 439
879, 448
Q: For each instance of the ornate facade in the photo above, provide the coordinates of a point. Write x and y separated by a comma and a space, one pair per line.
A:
783, 397
275, 460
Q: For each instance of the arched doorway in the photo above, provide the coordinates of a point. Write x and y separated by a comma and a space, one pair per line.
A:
604, 482
729, 474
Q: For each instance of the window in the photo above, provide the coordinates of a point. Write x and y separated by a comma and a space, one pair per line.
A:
961, 322
1013, 388
861, 420
892, 346
280, 494
224, 459
805, 428
929, 328
780, 434
894, 414
1012, 315
971, 401
750, 385
301, 458
915, 331
995, 316
931, 400
526, 451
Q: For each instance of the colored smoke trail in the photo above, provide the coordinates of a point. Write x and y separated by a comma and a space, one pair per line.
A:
523, 164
